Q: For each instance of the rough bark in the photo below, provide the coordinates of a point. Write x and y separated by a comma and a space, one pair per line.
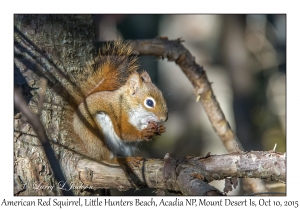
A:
51, 47
156, 173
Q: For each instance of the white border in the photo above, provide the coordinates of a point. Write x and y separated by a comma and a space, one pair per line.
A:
195, 7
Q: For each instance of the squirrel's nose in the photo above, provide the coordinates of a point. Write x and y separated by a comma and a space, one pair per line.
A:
164, 118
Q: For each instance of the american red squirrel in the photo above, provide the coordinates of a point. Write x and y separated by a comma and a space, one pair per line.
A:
120, 106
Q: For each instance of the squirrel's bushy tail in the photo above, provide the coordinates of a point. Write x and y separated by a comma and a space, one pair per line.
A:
108, 71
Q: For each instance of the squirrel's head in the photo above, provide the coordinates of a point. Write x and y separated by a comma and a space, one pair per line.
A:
146, 98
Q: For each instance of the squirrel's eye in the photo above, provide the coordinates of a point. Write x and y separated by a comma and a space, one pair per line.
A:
149, 102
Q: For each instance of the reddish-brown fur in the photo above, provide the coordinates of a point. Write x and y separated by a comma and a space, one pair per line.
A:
115, 88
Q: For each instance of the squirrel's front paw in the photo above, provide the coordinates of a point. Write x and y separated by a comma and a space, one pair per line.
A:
152, 129
160, 129
149, 131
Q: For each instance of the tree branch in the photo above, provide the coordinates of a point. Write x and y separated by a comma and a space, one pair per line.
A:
187, 175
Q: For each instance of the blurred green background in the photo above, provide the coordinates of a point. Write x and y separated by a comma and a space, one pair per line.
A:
245, 59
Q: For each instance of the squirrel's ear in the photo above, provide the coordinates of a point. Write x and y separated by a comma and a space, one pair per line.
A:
145, 76
134, 82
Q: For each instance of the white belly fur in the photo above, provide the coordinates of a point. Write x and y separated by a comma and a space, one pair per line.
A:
137, 117
116, 145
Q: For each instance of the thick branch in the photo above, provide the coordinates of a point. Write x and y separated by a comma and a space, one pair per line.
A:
176, 174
